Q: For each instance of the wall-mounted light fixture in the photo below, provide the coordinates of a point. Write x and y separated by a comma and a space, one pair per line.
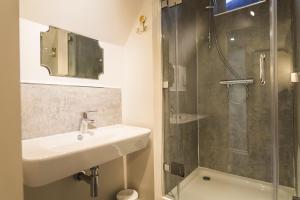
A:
142, 25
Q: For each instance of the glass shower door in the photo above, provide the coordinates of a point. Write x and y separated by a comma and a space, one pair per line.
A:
287, 61
172, 141
218, 133
180, 95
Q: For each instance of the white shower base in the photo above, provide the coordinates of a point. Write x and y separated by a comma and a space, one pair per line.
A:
226, 187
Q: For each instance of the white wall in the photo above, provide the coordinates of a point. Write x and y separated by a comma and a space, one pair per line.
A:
107, 20
138, 101
138, 74
158, 101
137, 70
10, 123
110, 22
32, 72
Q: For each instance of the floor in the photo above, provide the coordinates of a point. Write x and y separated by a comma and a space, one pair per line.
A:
226, 187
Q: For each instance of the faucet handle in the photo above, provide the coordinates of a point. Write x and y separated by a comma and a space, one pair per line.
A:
91, 111
85, 114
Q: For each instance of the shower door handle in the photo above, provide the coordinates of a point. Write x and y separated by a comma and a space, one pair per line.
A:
262, 60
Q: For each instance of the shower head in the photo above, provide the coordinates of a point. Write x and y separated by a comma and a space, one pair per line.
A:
211, 4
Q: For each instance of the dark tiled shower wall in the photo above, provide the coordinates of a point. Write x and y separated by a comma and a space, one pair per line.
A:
236, 137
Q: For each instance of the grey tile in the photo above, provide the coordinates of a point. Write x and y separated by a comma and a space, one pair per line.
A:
53, 109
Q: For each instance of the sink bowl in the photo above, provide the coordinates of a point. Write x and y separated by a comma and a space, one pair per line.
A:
51, 158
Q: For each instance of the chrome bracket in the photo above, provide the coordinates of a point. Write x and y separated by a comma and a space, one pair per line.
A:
165, 85
164, 3
167, 167
174, 2
170, 3
174, 168
295, 77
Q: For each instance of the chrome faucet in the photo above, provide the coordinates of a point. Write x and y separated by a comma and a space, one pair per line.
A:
87, 123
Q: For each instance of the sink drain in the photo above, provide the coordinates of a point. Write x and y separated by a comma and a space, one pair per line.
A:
206, 178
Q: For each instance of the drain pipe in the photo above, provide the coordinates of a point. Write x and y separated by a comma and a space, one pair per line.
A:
92, 180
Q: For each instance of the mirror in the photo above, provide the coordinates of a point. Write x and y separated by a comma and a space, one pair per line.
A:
69, 54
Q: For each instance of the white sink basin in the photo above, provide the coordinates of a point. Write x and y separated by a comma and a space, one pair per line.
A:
47, 159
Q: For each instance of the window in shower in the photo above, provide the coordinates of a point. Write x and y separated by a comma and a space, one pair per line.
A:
225, 6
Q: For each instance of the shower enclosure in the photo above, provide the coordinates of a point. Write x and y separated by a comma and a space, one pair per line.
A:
230, 112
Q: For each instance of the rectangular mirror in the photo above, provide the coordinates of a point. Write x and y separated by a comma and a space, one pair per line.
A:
69, 54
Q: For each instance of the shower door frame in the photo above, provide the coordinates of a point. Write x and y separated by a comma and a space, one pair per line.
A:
274, 95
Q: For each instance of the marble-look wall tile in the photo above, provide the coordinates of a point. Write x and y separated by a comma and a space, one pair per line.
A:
53, 109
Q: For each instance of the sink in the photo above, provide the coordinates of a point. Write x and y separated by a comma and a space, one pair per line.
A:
51, 158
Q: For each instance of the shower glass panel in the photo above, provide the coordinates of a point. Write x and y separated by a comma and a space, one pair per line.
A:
180, 95
288, 60
218, 134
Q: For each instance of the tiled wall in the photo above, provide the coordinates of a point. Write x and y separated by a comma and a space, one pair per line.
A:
53, 109
237, 135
